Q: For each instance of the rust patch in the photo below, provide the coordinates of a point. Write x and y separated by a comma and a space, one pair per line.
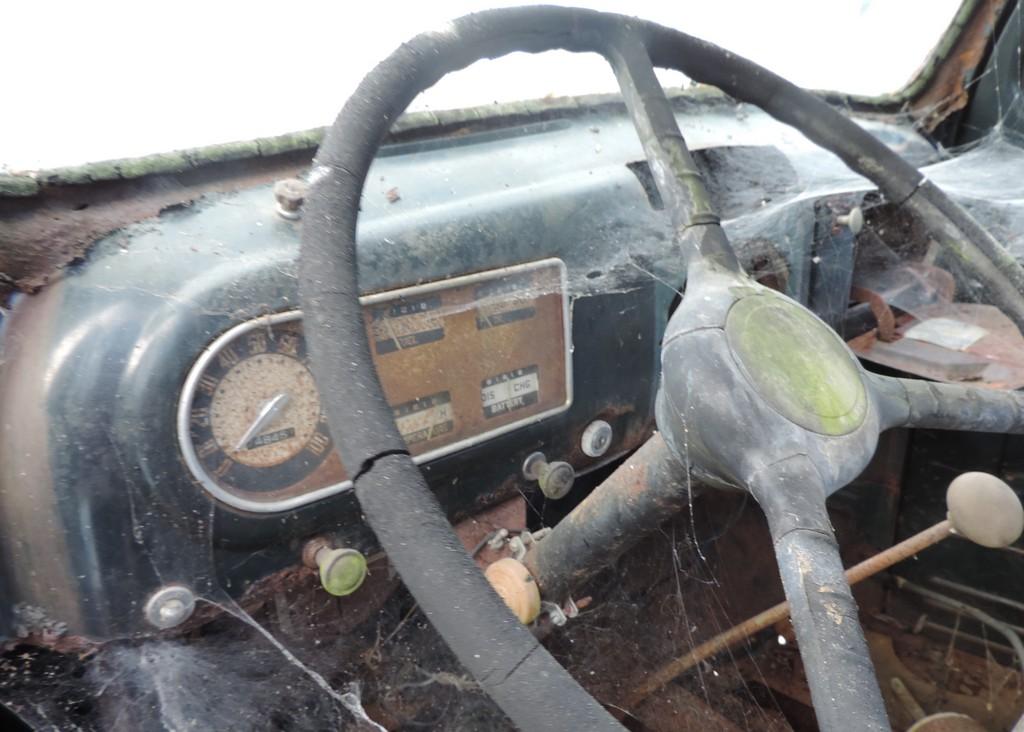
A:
636, 486
72, 645
995, 360
473, 531
679, 708
630, 432
948, 90
42, 235
950, 679
880, 309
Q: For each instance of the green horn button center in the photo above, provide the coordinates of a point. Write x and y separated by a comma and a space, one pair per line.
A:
797, 364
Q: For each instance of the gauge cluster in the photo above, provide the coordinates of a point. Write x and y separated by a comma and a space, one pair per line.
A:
461, 360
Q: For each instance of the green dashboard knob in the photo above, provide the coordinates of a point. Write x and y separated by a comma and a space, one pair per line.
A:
342, 571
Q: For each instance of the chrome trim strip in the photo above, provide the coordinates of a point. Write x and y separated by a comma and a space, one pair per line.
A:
228, 336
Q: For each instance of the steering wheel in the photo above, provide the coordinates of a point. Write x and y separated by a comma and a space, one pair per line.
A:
757, 392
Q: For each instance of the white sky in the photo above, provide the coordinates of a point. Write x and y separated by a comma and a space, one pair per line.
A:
103, 79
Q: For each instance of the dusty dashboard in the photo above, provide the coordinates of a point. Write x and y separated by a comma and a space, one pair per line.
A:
168, 428
461, 360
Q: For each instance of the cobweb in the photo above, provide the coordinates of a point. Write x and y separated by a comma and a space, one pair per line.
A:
301, 660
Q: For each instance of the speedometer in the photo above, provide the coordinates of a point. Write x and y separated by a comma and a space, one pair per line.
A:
255, 421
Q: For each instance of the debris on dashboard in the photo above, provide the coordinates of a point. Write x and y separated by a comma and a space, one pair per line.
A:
920, 330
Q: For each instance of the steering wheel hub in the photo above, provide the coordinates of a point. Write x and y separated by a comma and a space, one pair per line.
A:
796, 364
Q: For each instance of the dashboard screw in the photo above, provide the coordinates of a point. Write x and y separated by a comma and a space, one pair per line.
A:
170, 606
290, 194
596, 439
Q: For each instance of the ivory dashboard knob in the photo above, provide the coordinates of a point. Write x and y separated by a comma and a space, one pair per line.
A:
985, 510
516, 586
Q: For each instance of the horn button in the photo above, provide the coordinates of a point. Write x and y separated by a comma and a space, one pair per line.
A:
751, 378
796, 364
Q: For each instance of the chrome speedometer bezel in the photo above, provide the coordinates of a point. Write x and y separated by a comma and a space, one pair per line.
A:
199, 368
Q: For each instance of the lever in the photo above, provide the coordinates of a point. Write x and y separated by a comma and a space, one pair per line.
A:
981, 508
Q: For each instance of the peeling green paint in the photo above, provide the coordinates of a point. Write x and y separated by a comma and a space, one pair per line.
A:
302, 140
172, 162
15, 186
28, 184
227, 151
77, 174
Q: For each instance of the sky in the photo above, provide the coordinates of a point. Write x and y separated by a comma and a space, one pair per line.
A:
104, 79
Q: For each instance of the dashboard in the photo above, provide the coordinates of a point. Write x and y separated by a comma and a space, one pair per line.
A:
161, 424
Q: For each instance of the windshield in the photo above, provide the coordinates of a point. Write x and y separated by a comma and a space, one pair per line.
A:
121, 80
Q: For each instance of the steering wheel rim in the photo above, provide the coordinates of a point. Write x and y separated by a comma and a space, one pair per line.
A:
508, 662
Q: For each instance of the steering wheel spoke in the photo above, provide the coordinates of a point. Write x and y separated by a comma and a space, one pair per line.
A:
824, 614
679, 180
918, 403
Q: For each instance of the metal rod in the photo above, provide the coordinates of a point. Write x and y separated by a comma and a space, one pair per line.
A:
980, 615
936, 603
906, 698
980, 594
965, 636
772, 615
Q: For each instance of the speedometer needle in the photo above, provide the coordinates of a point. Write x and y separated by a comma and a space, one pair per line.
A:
267, 414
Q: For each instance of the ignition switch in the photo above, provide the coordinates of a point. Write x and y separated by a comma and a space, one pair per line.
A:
555, 479
341, 570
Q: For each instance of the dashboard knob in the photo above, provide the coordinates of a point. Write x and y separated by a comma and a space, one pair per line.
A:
985, 509
596, 438
514, 584
854, 220
170, 606
342, 571
554, 479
